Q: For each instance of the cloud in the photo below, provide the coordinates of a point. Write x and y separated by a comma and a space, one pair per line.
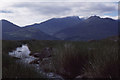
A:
25, 13
113, 17
5, 11
48, 8
68, 8
103, 7
45, 8
60, 0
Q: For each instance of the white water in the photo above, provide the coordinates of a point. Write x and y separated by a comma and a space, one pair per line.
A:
23, 53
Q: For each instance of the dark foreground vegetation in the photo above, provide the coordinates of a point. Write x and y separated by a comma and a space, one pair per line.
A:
91, 59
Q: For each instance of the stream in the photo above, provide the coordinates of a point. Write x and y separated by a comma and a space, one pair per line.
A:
23, 54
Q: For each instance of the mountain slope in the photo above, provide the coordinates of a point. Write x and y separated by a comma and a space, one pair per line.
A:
54, 25
8, 26
92, 28
11, 31
68, 28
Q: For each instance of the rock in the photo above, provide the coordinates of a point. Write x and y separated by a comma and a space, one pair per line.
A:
50, 74
37, 55
79, 77
45, 61
45, 53
19, 51
15, 57
53, 76
36, 61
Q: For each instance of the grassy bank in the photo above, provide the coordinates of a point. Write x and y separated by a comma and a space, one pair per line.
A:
12, 69
96, 59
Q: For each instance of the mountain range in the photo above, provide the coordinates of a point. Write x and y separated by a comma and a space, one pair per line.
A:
11, 31
67, 28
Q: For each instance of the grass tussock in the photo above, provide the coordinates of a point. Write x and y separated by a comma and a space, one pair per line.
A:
92, 60
97, 59
69, 59
11, 69
103, 63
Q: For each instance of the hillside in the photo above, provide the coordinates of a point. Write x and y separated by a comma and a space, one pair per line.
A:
92, 28
54, 25
67, 28
11, 31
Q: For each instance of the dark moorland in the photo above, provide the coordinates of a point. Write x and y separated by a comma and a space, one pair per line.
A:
91, 59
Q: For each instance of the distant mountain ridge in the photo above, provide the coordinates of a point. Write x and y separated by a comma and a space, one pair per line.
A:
67, 28
11, 31
92, 28
54, 25
8, 26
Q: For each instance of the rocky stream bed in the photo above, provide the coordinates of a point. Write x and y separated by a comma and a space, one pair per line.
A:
22, 53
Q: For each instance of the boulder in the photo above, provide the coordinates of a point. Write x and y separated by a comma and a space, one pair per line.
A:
45, 53
36, 61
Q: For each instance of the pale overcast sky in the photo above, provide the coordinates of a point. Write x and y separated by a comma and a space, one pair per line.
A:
26, 12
